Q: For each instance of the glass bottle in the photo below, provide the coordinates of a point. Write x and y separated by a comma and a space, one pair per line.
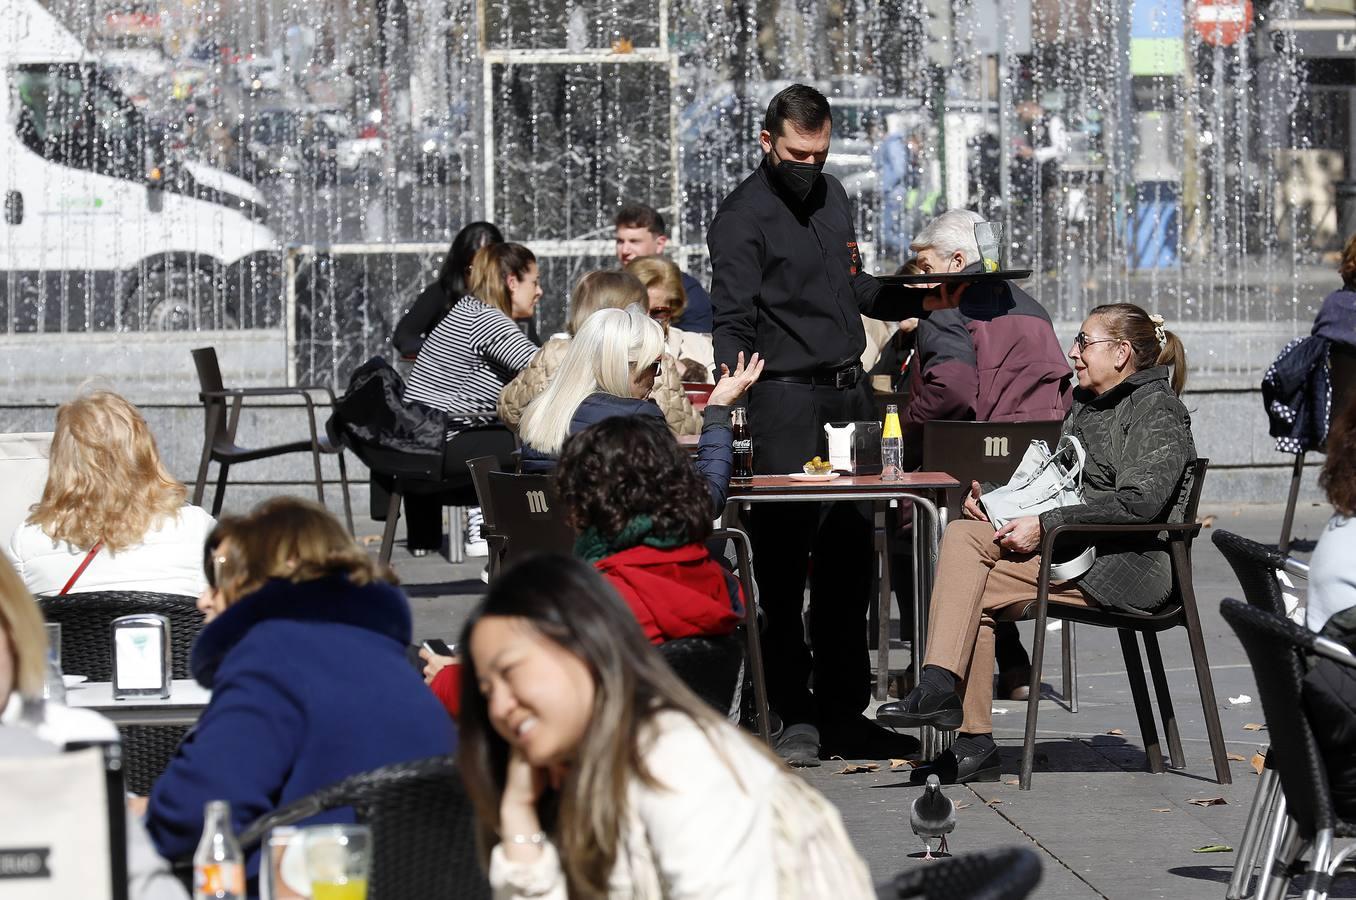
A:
742, 445
218, 864
891, 446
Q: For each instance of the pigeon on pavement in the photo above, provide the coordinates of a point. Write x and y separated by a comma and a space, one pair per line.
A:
933, 816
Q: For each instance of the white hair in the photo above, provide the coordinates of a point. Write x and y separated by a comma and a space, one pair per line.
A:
610, 345
951, 232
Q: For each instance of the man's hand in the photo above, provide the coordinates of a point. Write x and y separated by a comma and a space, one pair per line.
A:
1021, 535
971, 508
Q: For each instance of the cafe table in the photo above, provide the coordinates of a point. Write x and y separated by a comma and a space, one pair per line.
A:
925, 491
183, 706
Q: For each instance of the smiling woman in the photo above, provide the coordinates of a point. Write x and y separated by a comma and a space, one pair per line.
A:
593, 769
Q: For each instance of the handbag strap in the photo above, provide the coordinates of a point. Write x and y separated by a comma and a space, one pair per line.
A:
80, 570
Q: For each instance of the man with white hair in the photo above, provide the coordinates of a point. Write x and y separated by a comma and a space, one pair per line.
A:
993, 358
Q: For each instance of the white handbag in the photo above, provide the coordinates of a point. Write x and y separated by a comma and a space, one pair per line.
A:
1044, 480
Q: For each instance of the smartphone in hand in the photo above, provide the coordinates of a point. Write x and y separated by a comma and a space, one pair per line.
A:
440, 647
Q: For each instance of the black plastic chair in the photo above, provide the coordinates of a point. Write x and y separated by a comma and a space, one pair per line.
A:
86, 622
528, 517
1342, 383
1277, 650
423, 828
1256, 567
1179, 611
480, 468
711, 667
1008, 873
219, 437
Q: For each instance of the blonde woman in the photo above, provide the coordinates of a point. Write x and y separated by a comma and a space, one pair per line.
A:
610, 370
595, 772
304, 652
109, 509
664, 287
602, 289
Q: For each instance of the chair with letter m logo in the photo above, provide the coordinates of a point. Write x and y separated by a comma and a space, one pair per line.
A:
527, 517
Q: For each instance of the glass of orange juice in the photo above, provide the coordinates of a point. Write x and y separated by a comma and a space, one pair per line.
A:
338, 858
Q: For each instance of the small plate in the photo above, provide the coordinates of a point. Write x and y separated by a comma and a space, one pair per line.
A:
806, 476
73, 680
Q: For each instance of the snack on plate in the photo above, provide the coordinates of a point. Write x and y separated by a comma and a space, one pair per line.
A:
817, 466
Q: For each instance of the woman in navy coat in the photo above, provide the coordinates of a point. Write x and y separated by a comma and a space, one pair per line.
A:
304, 652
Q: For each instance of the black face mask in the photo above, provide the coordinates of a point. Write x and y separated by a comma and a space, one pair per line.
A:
797, 178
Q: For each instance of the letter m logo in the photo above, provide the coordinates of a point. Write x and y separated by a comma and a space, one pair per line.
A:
995, 446
536, 502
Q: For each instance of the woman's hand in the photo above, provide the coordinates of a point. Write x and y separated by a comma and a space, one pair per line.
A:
732, 385
972, 509
434, 663
1021, 535
523, 784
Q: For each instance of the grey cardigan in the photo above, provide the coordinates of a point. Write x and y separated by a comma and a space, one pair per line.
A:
1139, 451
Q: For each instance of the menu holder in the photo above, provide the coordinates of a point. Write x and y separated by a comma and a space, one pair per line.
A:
141, 656
853, 447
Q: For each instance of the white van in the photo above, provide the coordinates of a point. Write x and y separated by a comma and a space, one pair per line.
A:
98, 232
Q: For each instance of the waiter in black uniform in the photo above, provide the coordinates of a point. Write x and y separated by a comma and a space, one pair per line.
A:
788, 281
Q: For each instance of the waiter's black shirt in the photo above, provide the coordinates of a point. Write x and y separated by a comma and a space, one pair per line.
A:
788, 280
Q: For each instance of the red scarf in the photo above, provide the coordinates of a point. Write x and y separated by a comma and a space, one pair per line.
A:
675, 593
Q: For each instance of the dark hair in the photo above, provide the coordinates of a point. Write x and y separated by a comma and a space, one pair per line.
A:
1338, 478
490, 268
452, 275
1347, 267
1130, 323
630, 466
801, 105
638, 215
567, 602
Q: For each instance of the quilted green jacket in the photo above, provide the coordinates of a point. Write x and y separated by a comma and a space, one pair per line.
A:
1139, 449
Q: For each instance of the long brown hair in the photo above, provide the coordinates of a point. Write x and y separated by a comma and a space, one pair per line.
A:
490, 269
1347, 267
1338, 478
1130, 323
105, 480
567, 602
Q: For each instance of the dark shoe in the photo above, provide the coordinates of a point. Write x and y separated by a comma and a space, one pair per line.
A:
860, 738
952, 770
941, 710
799, 745
1015, 685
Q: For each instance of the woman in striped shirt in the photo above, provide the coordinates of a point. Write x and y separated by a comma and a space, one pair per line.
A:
466, 361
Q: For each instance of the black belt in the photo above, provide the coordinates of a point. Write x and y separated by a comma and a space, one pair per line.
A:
841, 379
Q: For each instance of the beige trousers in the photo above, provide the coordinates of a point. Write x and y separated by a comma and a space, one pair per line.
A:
976, 584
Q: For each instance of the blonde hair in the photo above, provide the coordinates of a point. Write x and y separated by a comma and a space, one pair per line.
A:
610, 345
490, 269
21, 625
658, 272
602, 289
105, 480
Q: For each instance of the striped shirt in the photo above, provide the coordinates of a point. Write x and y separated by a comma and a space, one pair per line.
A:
468, 359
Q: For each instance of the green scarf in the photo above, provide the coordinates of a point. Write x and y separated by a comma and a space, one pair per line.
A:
592, 546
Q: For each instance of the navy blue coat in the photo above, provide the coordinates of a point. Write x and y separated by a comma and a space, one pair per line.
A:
310, 685
715, 449
697, 310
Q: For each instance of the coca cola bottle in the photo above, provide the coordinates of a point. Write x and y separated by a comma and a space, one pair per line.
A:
743, 446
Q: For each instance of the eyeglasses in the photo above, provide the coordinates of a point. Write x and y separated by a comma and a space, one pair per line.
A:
652, 368
212, 567
1084, 342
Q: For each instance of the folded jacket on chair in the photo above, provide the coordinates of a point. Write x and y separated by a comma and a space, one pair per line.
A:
675, 592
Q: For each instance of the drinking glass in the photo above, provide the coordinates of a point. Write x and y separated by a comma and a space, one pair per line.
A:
337, 861
54, 642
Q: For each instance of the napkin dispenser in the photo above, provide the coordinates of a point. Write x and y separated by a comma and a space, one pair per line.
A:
141, 656
854, 447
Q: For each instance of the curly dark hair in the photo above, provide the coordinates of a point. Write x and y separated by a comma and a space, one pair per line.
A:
629, 466
1338, 478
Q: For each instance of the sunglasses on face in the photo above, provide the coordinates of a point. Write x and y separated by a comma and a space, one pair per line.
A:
1083, 342
211, 567
661, 313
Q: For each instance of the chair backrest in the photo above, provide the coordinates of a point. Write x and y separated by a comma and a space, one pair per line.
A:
1198, 469
423, 828
87, 627
1275, 646
1341, 375
65, 810
481, 467
23, 472
710, 666
1008, 873
980, 451
529, 515
1255, 565
209, 370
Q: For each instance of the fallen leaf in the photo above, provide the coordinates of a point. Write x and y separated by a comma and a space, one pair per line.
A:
1012, 781
1259, 762
1253, 726
1115, 731
1239, 700
1214, 848
368, 540
994, 802
902, 764
1207, 522
858, 768
1208, 801
962, 806
1162, 809
1236, 757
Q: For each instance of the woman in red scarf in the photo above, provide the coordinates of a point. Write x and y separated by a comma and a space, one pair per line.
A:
643, 515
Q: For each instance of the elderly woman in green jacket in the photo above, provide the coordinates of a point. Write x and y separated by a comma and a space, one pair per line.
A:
1137, 435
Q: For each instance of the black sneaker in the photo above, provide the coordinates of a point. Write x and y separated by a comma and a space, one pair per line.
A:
941, 710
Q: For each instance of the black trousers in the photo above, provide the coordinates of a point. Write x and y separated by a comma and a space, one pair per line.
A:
826, 544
